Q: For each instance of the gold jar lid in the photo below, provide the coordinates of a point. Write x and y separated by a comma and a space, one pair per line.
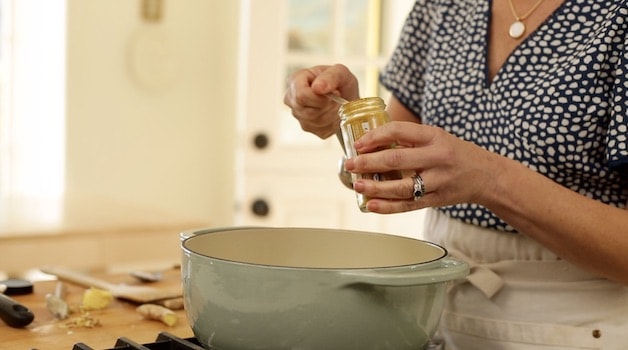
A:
361, 106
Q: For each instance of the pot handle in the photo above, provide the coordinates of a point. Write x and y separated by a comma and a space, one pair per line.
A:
448, 269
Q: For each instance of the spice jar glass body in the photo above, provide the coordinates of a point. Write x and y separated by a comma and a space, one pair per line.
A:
357, 118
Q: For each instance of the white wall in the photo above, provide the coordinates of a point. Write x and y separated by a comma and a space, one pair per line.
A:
166, 140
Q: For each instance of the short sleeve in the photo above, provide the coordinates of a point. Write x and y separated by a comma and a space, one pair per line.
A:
617, 133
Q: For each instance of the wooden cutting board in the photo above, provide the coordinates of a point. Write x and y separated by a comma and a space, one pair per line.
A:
119, 319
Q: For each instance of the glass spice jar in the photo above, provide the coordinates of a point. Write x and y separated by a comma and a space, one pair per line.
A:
357, 117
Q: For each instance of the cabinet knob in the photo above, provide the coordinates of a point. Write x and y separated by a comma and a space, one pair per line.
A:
260, 207
261, 141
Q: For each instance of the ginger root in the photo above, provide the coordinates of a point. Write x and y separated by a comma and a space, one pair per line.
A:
172, 304
96, 299
158, 313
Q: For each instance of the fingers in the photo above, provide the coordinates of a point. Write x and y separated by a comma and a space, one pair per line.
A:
306, 98
390, 189
417, 152
308, 87
402, 134
393, 196
413, 148
336, 78
446, 163
404, 159
300, 94
381, 206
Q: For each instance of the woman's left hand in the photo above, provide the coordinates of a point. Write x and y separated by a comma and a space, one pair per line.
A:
453, 170
579, 229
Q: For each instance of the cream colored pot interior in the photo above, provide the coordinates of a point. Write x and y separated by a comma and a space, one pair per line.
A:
313, 248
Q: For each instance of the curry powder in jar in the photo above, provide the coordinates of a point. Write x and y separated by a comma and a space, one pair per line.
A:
358, 117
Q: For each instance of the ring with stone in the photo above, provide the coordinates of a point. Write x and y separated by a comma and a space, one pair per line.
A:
419, 187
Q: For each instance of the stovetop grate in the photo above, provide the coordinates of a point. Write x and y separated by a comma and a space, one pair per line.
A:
165, 341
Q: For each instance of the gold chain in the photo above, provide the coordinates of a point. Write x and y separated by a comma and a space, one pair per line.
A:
524, 16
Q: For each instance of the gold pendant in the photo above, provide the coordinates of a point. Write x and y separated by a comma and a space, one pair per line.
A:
517, 29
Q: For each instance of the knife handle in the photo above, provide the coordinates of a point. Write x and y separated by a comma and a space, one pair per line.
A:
13, 313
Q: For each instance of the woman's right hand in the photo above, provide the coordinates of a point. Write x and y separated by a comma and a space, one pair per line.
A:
306, 97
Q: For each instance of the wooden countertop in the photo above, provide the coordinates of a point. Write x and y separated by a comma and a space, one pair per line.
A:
119, 319
89, 233
78, 215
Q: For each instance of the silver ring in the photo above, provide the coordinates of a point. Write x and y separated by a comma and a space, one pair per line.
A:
419, 187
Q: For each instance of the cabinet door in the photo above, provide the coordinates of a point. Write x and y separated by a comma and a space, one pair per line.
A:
287, 177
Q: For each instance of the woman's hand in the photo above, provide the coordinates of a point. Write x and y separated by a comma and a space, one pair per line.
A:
453, 170
582, 230
306, 97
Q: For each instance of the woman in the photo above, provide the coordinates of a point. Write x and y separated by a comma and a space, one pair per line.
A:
514, 116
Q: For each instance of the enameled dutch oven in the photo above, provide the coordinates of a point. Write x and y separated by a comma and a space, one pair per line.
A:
303, 288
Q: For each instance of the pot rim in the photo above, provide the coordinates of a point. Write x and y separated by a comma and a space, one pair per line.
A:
188, 235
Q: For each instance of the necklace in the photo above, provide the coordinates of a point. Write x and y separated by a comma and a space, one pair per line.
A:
517, 28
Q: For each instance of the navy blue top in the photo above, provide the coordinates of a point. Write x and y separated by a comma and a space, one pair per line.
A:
559, 104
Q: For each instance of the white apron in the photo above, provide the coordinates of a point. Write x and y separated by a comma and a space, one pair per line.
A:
521, 296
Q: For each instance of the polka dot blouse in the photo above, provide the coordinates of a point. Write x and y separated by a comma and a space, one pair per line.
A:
559, 104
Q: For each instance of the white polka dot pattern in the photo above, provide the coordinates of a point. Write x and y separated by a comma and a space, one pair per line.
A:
559, 104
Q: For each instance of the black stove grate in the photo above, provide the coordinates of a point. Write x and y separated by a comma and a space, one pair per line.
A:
165, 341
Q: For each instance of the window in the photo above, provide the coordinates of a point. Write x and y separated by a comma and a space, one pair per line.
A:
32, 97
358, 33
345, 30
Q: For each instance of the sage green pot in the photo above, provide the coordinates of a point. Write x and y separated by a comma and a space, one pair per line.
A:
300, 288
